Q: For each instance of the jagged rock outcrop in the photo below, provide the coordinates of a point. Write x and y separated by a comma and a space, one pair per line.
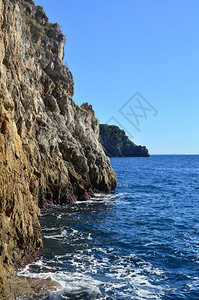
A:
49, 147
117, 144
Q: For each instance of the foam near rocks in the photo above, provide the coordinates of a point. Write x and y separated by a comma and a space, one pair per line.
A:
91, 270
49, 147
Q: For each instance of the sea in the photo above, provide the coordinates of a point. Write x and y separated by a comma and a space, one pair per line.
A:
139, 242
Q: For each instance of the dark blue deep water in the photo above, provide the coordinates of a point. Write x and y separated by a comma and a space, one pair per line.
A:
141, 242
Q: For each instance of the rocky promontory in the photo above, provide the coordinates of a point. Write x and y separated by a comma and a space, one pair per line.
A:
117, 144
49, 146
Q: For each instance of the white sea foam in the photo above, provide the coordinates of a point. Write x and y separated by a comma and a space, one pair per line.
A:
97, 271
69, 282
126, 278
57, 236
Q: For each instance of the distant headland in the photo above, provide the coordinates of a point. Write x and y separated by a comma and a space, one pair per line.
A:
117, 144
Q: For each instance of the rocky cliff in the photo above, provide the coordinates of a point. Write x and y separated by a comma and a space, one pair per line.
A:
49, 148
116, 143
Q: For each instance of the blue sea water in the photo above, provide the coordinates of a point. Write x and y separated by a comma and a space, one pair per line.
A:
140, 242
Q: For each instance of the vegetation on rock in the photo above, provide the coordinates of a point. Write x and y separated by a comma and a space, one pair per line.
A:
116, 143
49, 147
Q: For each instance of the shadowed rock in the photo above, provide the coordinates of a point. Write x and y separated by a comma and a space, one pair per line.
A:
49, 148
116, 143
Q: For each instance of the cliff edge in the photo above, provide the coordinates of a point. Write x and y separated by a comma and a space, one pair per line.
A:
117, 144
49, 146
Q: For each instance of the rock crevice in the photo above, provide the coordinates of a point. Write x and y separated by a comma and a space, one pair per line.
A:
49, 146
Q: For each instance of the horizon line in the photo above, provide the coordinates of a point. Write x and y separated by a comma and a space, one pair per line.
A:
174, 154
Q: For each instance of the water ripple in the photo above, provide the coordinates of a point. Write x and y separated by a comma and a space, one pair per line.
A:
141, 242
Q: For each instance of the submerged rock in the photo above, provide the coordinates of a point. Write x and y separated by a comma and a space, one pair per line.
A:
30, 288
49, 146
116, 143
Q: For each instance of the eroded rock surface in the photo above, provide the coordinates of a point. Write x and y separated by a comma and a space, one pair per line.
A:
49, 146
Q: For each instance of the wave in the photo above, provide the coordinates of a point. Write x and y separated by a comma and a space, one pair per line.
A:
100, 277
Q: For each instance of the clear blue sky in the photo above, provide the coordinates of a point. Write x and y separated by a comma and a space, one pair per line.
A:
115, 48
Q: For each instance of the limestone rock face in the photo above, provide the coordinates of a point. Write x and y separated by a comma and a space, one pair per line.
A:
116, 143
49, 146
